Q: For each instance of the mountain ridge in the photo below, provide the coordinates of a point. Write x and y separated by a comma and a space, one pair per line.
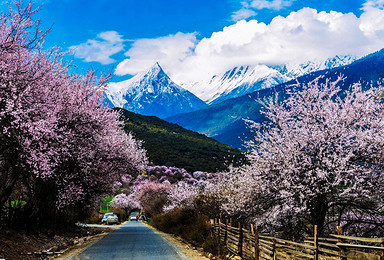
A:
225, 121
241, 80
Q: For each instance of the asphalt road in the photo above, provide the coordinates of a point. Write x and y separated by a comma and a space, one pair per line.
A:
134, 241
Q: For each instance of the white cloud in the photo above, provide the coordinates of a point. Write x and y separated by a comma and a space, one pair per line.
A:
101, 49
373, 4
170, 50
242, 14
266, 4
301, 36
249, 7
372, 20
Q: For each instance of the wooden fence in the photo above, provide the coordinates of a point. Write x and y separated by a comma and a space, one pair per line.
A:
249, 244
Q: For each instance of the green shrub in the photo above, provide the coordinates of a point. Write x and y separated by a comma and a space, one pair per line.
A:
184, 223
211, 245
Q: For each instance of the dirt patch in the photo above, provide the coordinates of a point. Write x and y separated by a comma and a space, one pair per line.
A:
18, 244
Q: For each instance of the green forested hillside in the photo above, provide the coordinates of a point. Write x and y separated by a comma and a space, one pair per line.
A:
171, 145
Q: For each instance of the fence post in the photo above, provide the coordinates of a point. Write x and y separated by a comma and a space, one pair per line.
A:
256, 245
316, 242
274, 249
339, 230
219, 231
226, 233
240, 239
218, 235
382, 252
212, 229
252, 234
214, 226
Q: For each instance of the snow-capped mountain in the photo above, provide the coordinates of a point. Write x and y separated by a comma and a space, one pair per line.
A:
296, 70
246, 79
152, 93
225, 121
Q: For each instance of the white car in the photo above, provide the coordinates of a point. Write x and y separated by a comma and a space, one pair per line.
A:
133, 217
112, 219
106, 215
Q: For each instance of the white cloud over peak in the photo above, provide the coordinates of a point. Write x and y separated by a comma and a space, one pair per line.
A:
169, 50
100, 49
301, 36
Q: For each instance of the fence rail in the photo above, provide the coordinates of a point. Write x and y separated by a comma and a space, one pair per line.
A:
250, 244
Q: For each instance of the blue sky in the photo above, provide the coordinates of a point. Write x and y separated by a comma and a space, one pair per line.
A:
195, 39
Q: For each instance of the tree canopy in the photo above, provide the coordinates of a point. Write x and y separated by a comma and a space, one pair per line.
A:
318, 160
59, 146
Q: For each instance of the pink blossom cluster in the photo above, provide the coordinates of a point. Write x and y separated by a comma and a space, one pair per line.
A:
174, 175
127, 202
358, 223
152, 195
162, 188
182, 195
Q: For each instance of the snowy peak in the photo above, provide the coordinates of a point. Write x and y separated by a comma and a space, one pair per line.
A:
339, 61
152, 93
296, 70
236, 82
153, 81
156, 71
246, 79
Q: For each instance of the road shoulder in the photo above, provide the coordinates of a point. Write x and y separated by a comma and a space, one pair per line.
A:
72, 252
189, 251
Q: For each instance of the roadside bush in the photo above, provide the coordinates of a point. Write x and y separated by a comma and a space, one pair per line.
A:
184, 223
211, 245
94, 218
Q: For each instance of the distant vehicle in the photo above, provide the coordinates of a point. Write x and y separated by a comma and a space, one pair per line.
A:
134, 216
104, 219
112, 219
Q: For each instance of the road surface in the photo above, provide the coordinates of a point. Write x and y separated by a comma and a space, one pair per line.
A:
133, 241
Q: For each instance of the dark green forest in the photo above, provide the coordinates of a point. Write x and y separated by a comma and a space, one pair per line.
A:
171, 145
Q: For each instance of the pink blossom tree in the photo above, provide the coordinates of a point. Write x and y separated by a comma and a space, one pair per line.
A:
126, 202
182, 195
58, 143
236, 192
152, 196
319, 156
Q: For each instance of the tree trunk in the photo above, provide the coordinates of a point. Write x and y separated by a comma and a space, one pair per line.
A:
319, 212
